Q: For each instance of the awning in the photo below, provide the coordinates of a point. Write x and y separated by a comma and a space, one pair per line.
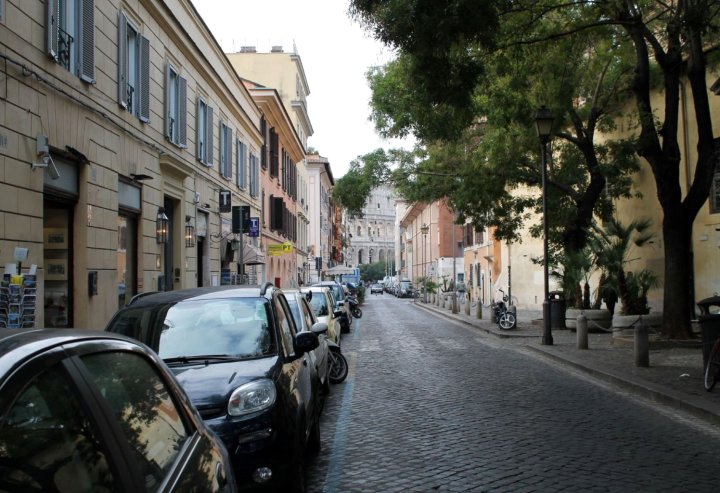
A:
252, 255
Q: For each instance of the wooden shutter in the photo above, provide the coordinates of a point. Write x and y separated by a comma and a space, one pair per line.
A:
87, 41
199, 131
182, 112
168, 92
122, 60
228, 151
53, 33
144, 94
209, 136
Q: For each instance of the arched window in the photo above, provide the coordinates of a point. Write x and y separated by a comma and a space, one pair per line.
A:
359, 230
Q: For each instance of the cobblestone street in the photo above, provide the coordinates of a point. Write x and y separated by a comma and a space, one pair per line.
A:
431, 405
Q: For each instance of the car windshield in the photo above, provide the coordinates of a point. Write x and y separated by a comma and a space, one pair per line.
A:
236, 327
319, 304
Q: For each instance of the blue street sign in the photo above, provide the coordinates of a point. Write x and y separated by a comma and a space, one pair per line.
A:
254, 230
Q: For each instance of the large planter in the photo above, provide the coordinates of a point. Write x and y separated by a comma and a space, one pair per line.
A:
598, 320
623, 326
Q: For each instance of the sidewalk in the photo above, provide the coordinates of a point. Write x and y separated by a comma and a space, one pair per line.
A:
674, 377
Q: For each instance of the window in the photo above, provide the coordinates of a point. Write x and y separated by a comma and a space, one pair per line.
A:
133, 70
225, 151
254, 176
241, 171
204, 136
71, 36
47, 432
144, 409
286, 329
175, 107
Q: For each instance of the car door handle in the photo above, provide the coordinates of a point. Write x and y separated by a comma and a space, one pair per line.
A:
220, 475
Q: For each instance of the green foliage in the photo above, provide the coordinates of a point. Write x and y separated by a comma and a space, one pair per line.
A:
615, 246
373, 272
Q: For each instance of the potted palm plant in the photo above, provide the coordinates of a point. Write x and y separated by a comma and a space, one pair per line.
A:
577, 270
615, 245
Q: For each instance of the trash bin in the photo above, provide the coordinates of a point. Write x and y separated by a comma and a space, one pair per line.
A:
557, 309
709, 324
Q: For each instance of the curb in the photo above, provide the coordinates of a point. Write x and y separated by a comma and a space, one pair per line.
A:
645, 389
477, 325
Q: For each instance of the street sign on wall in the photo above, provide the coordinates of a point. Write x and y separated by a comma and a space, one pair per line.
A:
254, 229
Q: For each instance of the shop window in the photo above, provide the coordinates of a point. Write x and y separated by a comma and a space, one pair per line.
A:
57, 247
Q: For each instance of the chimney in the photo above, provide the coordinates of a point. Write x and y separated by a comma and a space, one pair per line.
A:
248, 49
276, 49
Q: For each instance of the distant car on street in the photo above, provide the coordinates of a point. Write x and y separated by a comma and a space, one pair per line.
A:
87, 410
376, 288
244, 363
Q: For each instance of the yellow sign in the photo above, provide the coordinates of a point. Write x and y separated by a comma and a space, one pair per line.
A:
287, 247
275, 249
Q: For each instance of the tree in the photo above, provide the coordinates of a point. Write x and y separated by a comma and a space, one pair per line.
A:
660, 42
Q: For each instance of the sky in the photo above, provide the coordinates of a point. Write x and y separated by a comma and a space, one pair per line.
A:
335, 52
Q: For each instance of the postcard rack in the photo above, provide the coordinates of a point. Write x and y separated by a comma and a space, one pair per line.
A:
18, 298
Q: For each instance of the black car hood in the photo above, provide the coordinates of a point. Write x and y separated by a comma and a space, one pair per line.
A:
211, 385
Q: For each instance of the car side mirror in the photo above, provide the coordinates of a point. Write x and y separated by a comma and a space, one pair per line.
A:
305, 342
319, 328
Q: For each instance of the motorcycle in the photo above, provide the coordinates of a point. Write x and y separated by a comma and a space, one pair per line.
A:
505, 319
337, 364
354, 306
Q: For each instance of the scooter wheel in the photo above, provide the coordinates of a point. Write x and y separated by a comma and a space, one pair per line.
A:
357, 313
338, 367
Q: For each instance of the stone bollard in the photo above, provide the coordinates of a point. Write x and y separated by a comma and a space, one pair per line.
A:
478, 310
582, 331
642, 346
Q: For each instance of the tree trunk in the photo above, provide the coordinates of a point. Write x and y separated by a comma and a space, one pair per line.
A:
678, 276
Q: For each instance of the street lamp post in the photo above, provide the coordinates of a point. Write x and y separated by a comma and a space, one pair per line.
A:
543, 125
424, 229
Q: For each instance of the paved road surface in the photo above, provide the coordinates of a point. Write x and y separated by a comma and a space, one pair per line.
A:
434, 406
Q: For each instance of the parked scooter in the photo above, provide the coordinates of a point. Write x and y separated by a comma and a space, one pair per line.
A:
337, 364
354, 306
505, 319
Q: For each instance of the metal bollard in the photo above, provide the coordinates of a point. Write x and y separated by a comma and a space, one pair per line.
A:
582, 332
478, 310
642, 345
467, 306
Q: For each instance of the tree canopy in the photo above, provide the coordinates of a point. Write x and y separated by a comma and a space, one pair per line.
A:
469, 76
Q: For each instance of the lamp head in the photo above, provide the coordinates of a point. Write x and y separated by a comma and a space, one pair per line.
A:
543, 123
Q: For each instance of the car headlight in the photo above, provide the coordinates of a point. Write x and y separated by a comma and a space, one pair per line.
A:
252, 397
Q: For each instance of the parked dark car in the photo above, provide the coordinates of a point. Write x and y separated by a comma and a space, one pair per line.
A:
91, 411
305, 320
244, 364
338, 292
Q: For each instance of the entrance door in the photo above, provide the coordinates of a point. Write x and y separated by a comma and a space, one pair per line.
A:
167, 273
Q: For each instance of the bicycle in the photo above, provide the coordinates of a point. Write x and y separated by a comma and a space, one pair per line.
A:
712, 370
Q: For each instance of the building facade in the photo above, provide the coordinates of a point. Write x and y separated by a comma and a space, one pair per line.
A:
123, 134
321, 232
373, 234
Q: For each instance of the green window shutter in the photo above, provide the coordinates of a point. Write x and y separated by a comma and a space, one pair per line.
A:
182, 112
122, 61
53, 33
87, 41
144, 96
209, 136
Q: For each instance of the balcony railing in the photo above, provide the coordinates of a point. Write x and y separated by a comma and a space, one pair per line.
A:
65, 42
